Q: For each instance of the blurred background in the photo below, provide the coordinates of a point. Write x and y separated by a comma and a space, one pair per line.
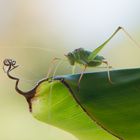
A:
35, 31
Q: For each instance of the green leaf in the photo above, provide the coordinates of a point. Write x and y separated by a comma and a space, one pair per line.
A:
56, 106
114, 107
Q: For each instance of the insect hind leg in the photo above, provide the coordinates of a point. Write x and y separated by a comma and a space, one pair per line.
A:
108, 72
81, 76
130, 37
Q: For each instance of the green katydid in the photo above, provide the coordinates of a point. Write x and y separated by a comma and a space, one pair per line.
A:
91, 58
80, 56
88, 58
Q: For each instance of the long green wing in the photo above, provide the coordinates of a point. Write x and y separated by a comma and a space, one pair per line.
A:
97, 50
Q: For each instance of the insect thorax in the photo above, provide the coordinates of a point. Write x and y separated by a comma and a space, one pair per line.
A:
81, 55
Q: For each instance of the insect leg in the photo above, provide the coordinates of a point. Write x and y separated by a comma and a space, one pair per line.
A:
85, 66
57, 68
51, 66
73, 69
108, 72
98, 49
51, 88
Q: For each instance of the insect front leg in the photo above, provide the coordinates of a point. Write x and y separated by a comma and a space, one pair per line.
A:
130, 37
51, 66
55, 70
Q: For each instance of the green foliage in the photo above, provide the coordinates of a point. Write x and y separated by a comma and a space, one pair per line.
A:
114, 107
59, 108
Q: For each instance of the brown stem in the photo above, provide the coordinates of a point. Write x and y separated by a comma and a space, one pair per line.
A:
29, 94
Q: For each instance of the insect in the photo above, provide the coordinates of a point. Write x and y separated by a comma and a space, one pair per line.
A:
91, 58
84, 57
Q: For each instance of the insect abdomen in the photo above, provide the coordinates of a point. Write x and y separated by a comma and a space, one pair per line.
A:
96, 62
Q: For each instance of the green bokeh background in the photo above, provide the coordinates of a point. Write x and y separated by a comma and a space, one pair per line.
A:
33, 32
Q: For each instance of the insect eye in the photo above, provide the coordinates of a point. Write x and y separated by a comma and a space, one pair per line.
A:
102, 57
69, 54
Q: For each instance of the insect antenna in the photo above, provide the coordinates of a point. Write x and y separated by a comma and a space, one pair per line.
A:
31, 47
